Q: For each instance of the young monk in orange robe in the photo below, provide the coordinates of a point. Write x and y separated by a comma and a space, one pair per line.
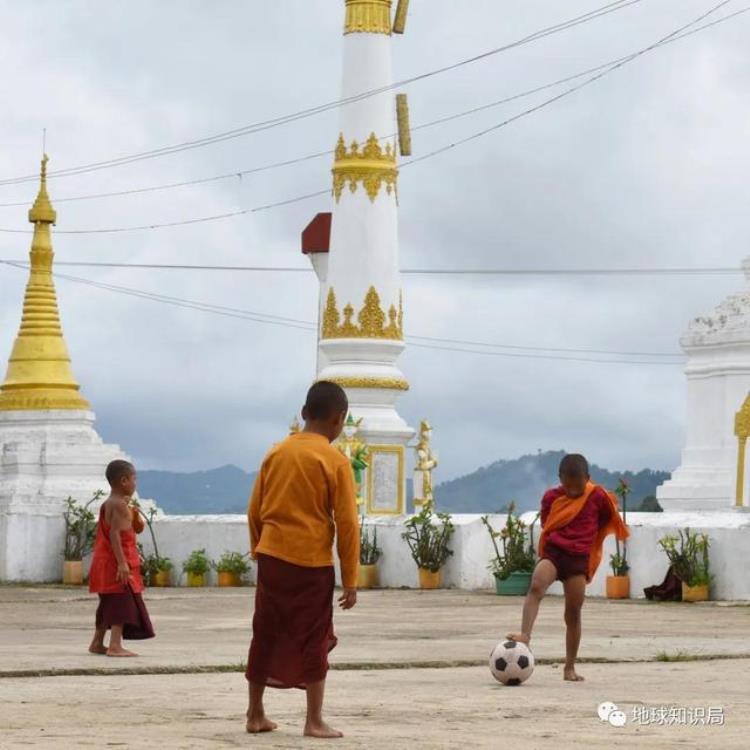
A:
116, 567
303, 494
576, 519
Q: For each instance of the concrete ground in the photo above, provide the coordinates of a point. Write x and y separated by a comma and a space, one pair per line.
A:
410, 672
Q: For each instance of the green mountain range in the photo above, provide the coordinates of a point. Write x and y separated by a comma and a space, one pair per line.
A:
524, 480
490, 488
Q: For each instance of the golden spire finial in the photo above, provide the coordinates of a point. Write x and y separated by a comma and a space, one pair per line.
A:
42, 209
39, 373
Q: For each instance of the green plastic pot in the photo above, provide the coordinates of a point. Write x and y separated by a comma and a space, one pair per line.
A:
516, 584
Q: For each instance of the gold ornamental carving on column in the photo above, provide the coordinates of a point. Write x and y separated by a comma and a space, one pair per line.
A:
372, 165
368, 17
370, 382
372, 322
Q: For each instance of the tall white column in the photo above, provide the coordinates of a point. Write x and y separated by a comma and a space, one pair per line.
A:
362, 329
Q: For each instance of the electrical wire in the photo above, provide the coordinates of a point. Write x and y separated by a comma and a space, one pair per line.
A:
622, 61
600, 12
653, 271
523, 352
328, 152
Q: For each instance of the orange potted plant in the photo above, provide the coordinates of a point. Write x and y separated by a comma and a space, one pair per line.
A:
618, 584
231, 568
196, 568
80, 529
369, 554
690, 563
428, 543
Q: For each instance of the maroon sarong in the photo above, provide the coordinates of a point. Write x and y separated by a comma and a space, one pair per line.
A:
292, 625
127, 609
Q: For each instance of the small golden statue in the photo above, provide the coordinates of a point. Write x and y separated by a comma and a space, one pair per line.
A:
294, 427
425, 463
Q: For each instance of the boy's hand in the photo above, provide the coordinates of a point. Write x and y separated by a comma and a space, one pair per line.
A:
123, 573
348, 599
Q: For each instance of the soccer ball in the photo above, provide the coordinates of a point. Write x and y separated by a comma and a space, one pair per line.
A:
511, 662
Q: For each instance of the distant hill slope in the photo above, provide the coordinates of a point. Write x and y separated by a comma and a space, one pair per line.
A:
222, 490
491, 488
524, 481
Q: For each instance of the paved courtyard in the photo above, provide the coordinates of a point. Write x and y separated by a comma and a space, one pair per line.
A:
410, 671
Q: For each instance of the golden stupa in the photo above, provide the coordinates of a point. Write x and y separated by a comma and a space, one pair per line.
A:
39, 374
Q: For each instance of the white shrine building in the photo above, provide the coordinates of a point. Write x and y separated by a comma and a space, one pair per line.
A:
718, 381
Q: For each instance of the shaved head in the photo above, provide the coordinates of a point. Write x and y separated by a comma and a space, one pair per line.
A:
574, 465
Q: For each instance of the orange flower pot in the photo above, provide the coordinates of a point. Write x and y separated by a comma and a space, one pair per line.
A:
229, 579
368, 577
162, 578
429, 579
694, 593
73, 572
618, 587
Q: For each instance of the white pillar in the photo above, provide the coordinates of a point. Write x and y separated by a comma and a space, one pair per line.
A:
361, 333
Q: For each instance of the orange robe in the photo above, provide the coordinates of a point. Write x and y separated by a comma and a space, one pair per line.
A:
565, 509
303, 499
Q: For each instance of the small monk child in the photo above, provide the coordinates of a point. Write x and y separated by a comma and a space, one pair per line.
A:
304, 493
576, 518
116, 567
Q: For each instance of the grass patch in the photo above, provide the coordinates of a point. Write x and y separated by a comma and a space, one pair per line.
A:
680, 655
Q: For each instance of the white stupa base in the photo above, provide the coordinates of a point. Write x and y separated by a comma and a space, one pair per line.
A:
45, 457
351, 361
698, 488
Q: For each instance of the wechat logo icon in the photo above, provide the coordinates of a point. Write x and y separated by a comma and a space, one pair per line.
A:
608, 712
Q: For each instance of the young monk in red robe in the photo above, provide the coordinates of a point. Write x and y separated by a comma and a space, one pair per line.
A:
576, 518
116, 567
303, 494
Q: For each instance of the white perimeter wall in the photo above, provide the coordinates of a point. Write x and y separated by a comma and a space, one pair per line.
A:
729, 531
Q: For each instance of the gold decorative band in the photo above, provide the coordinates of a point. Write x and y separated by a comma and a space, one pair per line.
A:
372, 321
372, 165
391, 384
368, 17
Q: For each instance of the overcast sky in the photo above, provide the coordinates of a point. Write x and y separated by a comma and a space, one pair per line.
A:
647, 167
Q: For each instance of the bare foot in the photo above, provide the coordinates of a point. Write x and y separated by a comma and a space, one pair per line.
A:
521, 637
120, 652
97, 648
261, 724
322, 731
571, 675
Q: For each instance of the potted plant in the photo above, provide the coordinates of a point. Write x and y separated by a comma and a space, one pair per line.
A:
514, 565
162, 575
196, 567
231, 567
80, 531
618, 584
428, 535
688, 555
155, 569
369, 554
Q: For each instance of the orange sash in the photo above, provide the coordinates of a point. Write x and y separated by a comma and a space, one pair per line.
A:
136, 520
564, 509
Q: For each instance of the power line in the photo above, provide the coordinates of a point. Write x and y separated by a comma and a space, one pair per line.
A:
600, 12
674, 36
645, 271
183, 222
577, 87
328, 152
286, 322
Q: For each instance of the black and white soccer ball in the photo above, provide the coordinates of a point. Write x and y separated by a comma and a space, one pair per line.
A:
511, 662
